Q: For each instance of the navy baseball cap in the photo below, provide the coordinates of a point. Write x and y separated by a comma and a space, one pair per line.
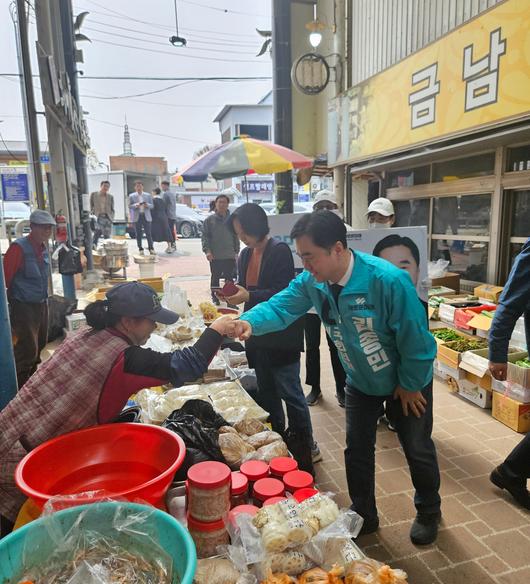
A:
138, 300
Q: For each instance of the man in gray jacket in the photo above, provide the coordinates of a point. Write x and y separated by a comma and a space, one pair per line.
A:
140, 205
220, 244
170, 199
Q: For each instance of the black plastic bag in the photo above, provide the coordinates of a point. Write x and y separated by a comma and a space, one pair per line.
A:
70, 260
58, 309
199, 430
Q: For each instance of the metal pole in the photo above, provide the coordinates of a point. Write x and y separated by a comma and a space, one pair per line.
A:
29, 98
281, 91
8, 378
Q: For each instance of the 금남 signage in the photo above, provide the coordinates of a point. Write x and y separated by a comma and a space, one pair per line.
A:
473, 78
15, 187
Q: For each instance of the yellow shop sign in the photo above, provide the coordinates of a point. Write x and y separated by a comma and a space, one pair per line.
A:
477, 76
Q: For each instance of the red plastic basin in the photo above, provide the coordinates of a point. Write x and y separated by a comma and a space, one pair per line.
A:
130, 461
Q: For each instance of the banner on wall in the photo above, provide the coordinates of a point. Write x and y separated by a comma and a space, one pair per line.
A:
405, 247
475, 77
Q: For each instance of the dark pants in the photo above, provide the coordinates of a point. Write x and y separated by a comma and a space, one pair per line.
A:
517, 465
312, 329
172, 229
362, 412
29, 328
282, 382
144, 224
221, 269
103, 228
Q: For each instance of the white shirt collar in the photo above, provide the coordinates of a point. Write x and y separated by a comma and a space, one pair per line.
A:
347, 275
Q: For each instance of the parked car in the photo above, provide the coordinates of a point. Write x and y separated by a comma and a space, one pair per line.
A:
15, 211
189, 222
270, 208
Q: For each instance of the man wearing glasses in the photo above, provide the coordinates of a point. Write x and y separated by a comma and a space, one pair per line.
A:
372, 313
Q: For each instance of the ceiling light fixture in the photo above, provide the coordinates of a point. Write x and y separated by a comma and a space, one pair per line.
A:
176, 40
315, 27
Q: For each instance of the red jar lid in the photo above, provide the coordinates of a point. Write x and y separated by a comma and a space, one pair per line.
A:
208, 475
266, 488
255, 470
239, 484
298, 479
283, 464
274, 500
303, 494
202, 526
248, 509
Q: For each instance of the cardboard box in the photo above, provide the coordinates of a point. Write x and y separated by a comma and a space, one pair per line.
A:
446, 310
463, 316
75, 321
438, 371
475, 394
157, 284
482, 324
487, 293
447, 355
516, 374
449, 279
510, 412
441, 291
512, 390
449, 371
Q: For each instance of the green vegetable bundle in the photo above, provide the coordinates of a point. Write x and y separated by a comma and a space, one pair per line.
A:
463, 345
446, 334
524, 363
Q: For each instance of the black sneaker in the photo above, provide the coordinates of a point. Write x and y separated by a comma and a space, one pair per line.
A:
424, 530
517, 489
369, 526
313, 397
216, 301
341, 400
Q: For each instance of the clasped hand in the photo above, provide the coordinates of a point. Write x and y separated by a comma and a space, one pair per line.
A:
229, 327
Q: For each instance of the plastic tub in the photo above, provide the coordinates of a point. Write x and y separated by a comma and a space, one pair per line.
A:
282, 465
248, 509
255, 470
168, 532
274, 500
207, 536
266, 488
303, 494
131, 461
209, 491
298, 479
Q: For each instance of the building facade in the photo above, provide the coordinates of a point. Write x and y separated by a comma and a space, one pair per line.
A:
434, 113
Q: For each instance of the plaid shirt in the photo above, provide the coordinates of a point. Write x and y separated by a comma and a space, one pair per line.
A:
60, 397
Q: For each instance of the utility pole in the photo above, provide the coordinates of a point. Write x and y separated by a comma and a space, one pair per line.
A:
282, 99
29, 99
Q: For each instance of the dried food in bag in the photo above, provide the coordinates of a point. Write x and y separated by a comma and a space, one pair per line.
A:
234, 449
216, 571
273, 450
250, 427
263, 438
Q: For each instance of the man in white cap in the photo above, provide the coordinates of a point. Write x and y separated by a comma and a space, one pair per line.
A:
312, 331
26, 270
380, 213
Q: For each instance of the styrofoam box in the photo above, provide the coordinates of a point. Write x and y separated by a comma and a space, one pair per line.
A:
446, 313
512, 389
438, 372
450, 371
474, 393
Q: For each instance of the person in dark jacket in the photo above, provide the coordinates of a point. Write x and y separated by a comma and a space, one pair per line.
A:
90, 377
220, 244
266, 266
26, 269
513, 473
160, 223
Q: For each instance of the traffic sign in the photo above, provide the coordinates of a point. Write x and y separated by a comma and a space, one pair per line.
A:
15, 187
45, 158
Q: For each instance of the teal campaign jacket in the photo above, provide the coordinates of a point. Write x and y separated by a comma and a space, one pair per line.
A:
379, 326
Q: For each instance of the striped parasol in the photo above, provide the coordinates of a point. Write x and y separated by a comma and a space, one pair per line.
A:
242, 156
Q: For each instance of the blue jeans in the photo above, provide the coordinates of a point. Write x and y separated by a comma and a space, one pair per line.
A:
362, 412
282, 382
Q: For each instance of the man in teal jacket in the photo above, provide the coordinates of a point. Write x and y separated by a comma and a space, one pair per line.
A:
372, 313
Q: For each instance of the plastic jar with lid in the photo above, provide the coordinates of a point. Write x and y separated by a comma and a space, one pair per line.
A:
207, 536
265, 489
298, 479
248, 509
273, 501
281, 465
209, 491
255, 470
303, 494
238, 490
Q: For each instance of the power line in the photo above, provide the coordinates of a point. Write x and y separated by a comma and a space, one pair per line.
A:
175, 54
150, 78
9, 151
139, 94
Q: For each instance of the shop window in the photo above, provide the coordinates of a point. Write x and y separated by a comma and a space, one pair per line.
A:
259, 132
521, 214
462, 215
518, 158
412, 213
467, 258
409, 177
472, 166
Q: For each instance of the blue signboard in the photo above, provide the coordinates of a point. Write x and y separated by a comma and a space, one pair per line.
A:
15, 187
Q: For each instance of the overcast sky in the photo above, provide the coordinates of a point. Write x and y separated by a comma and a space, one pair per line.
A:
222, 41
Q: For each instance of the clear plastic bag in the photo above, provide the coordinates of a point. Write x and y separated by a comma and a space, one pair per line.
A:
107, 543
437, 269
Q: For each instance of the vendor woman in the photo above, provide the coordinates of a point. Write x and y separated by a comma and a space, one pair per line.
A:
90, 377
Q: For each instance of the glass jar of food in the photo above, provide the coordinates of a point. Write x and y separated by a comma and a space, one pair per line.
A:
281, 465
298, 479
303, 494
238, 490
247, 509
209, 491
207, 536
265, 489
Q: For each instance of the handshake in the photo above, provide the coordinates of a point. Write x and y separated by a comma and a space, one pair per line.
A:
229, 327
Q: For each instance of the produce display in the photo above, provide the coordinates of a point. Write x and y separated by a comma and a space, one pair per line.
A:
446, 334
462, 345
523, 363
